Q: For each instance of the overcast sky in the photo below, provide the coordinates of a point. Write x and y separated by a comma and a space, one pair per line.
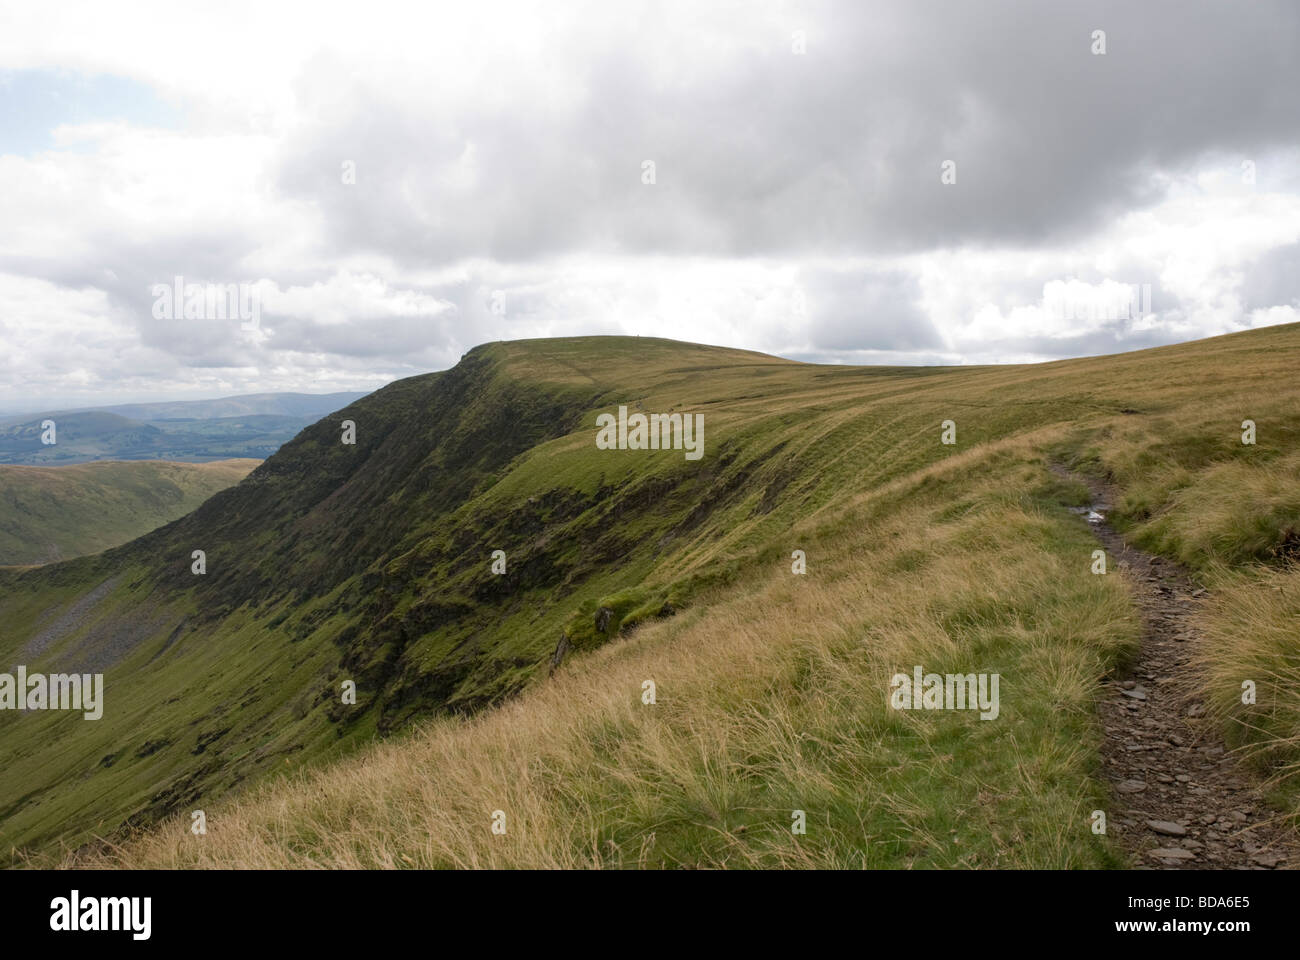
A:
397, 183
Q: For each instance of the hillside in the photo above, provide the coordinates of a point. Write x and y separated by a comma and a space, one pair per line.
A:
373, 563
55, 513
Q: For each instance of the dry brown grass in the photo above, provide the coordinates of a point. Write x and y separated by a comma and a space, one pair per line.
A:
772, 693
771, 697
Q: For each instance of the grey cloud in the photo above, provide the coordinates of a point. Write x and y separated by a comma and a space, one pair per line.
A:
866, 311
1274, 279
760, 153
836, 151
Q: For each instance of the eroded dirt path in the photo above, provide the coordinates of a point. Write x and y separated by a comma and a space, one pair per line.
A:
1180, 800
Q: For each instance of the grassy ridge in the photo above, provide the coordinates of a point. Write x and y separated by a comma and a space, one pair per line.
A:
771, 698
373, 563
54, 513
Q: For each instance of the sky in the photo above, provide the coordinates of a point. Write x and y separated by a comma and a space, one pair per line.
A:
380, 187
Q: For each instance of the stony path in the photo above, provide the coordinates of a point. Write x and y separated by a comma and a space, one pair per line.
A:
1179, 799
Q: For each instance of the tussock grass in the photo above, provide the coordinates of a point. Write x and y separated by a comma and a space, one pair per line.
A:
771, 698
1252, 633
1191, 490
772, 688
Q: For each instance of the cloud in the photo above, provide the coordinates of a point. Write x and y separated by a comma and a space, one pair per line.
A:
401, 183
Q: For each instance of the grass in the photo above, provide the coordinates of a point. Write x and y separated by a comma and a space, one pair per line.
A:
770, 699
56, 513
372, 563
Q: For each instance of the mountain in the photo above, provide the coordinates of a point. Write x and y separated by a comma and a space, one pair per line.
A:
192, 430
54, 513
683, 655
313, 405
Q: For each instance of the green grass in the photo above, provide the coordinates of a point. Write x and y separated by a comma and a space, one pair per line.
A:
56, 513
372, 563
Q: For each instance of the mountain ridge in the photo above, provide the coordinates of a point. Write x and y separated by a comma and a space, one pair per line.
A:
372, 562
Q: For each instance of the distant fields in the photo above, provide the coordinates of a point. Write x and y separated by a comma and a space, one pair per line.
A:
231, 428
56, 513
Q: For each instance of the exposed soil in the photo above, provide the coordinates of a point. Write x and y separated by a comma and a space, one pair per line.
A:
1180, 800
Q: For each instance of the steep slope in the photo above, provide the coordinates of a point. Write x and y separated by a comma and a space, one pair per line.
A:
373, 563
367, 562
54, 513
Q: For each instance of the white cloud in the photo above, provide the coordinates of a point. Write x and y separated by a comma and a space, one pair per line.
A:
498, 149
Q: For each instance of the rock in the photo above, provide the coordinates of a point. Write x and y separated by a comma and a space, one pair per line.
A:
1172, 853
1268, 858
1168, 828
1132, 786
1137, 693
1164, 778
1195, 710
1183, 778
1129, 684
561, 648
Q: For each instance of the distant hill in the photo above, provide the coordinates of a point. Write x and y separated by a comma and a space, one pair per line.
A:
56, 513
252, 426
311, 405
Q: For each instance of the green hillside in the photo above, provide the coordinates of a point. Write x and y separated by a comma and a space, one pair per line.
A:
372, 563
55, 513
